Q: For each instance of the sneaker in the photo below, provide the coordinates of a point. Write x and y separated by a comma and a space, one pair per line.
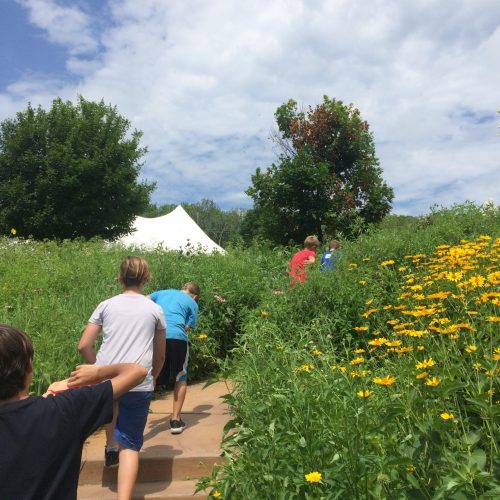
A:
111, 456
177, 426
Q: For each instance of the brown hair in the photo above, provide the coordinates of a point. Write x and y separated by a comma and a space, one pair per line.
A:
192, 287
16, 352
311, 242
334, 245
134, 271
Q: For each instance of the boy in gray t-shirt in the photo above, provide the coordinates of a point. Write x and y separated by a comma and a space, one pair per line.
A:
134, 331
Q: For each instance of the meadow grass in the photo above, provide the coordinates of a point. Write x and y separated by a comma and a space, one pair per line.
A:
376, 380
50, 289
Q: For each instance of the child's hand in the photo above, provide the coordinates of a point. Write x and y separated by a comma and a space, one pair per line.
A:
55, 387
84, 375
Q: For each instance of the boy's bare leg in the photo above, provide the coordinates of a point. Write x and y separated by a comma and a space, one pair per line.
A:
180, 390
110, 428
127, 473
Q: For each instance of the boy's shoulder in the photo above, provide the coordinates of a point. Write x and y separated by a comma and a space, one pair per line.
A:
168, 293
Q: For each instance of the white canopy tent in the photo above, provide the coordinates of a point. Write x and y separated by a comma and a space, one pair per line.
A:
174, 231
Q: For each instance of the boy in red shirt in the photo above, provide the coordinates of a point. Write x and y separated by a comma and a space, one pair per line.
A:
301, 260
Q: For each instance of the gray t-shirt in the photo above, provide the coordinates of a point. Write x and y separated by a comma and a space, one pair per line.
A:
129, 323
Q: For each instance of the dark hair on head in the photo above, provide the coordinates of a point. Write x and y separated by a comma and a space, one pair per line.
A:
134, 271
16, 352
334, 244
192, 287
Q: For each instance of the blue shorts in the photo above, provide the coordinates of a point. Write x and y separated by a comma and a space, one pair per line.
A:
133, 409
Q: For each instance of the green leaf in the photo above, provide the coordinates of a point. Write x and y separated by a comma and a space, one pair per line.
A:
478, 458
473, 437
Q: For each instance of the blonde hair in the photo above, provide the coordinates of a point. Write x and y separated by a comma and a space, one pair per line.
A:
134, 271
334, 245
311, 242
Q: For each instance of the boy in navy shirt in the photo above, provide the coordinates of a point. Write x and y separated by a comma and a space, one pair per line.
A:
42, 437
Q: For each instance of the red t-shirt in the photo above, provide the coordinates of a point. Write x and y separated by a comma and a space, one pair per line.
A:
297, 265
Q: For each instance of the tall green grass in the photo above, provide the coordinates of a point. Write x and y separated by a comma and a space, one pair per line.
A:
301, 371
50, 289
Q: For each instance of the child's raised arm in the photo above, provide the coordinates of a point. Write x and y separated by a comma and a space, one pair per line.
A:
123, 376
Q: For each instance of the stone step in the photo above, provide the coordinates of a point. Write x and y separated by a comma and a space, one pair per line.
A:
166, 460
159, 490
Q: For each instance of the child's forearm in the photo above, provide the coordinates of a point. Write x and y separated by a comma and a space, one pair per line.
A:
88, 354
123, 376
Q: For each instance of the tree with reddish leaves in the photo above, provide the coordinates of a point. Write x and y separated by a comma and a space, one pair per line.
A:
327, 181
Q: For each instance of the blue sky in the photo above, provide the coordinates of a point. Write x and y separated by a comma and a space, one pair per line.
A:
202, 81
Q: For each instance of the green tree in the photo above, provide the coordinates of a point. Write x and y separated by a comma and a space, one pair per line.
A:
70, 172
327, 180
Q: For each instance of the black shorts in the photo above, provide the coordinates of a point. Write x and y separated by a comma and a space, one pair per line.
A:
176, 362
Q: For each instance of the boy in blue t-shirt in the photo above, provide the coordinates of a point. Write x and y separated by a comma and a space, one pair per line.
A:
181, 312
328, 258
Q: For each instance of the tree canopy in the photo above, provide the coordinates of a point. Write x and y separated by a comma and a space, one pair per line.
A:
327, 180
71, 171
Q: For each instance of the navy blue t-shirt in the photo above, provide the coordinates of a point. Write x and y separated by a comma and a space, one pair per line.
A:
41, 441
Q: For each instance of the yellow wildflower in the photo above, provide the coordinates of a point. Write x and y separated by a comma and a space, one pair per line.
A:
359, 351
202, 336
316, 352
493, 319
357, 361
13, 232
369, 312
387, 307
313, 477
360, 328
362, 282
387, 263
385, 380
494, 278
378, 342
410, 468
264, 314
394, 343
304, 368
402, 269
471, 348
426, 363
368, 302
402, 350
364, 394
216, 494
447, 416
433, 382
366, 259
477, 281
421, 375
454, 276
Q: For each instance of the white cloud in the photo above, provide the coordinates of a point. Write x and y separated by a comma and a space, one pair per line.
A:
68, 26
203, 79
